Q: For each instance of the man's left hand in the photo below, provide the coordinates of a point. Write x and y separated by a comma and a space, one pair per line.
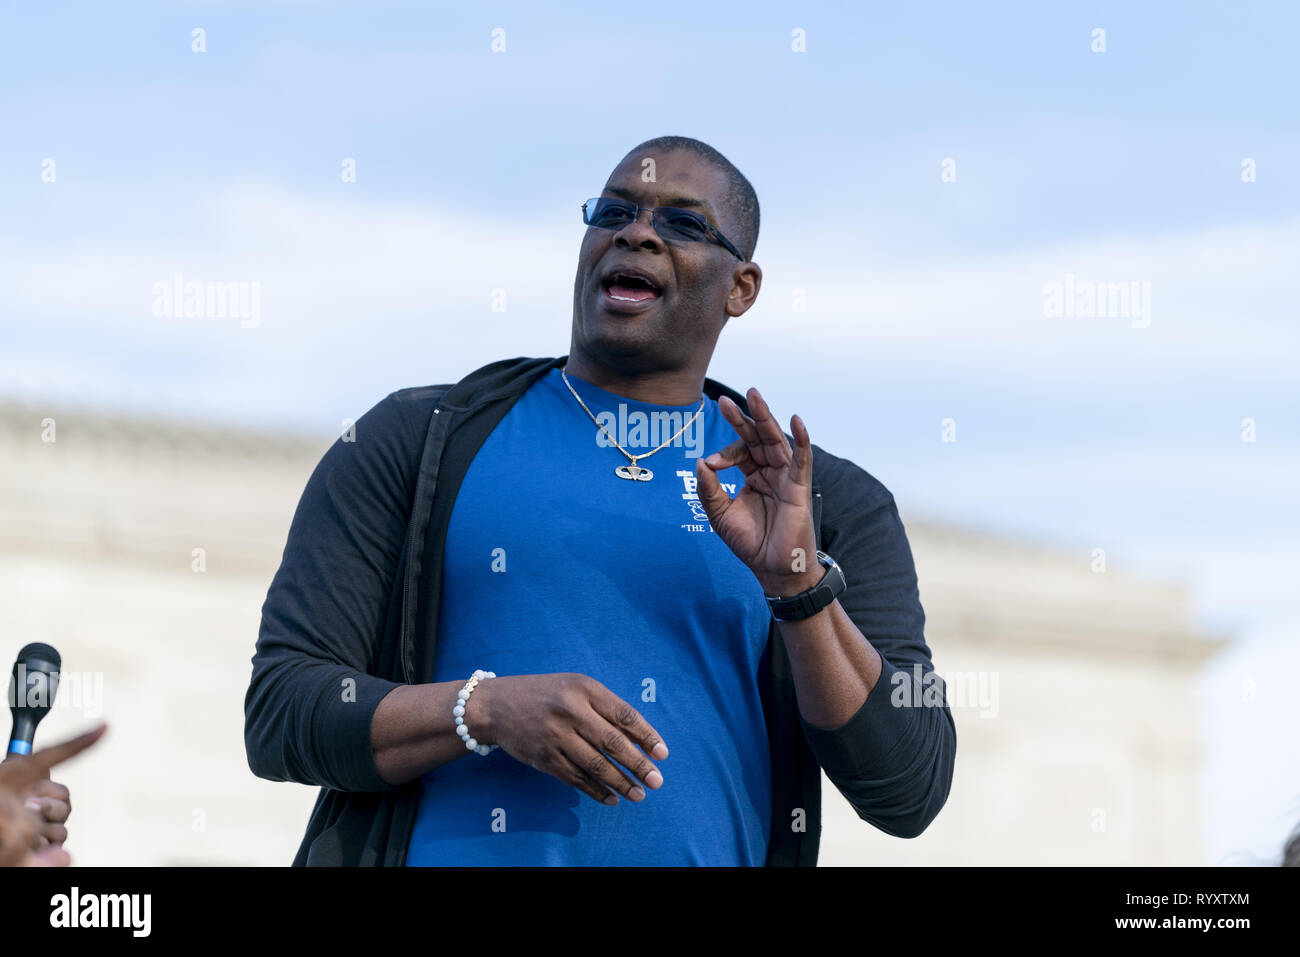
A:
769, 524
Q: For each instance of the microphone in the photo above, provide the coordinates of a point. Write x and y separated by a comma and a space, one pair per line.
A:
32, 686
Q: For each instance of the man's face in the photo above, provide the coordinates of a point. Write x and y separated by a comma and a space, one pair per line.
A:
698, 283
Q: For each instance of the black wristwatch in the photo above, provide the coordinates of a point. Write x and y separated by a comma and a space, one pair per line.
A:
808, 603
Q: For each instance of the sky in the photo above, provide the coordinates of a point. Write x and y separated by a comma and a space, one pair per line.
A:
926, 172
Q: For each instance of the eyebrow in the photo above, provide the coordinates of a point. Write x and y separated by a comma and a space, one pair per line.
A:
677, 201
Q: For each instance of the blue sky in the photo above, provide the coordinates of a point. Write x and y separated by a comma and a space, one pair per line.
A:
924, 298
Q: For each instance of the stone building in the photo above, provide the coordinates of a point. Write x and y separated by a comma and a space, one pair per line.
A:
142, 550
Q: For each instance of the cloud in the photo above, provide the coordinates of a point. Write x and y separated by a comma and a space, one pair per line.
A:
1218, 295
359, 297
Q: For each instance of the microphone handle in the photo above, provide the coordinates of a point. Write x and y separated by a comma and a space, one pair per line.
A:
20, 739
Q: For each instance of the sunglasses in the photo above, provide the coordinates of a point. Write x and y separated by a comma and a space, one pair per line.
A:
669, 222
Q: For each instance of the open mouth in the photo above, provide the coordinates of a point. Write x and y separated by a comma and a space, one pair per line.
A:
630, 287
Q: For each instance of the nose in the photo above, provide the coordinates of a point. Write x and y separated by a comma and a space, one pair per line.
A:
639, 232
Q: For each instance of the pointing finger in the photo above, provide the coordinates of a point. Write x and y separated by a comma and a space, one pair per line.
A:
22, 772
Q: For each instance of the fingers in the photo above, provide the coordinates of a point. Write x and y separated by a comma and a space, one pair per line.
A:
53, 813
606, 739
54, 833
47, 802
802, 451
742, 423
48, 857
769, 431
55, 799
628, 720
21, 773
573, 775
737, 453
762, 435
52, 802
575, 729
598, 769
620, 732
50, 809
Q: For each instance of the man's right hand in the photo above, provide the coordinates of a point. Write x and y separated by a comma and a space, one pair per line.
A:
569, 726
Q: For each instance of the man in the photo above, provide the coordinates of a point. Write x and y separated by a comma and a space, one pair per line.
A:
610, 583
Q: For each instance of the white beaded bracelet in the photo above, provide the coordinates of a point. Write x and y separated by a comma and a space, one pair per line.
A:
458, 712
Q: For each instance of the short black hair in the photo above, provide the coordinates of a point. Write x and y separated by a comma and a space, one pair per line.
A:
741, 200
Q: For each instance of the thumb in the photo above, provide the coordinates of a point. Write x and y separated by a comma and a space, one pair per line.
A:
712, 496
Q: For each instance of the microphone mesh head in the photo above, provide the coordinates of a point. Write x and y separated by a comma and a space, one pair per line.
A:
39, 651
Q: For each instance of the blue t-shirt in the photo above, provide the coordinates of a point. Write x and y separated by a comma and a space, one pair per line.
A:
555, 564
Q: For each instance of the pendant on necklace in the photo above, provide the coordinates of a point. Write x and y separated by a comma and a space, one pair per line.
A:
634, 473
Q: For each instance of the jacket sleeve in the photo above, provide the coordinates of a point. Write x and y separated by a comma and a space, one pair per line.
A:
312, 694
893, 760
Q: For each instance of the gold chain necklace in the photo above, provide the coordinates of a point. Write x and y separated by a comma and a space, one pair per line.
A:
632, 471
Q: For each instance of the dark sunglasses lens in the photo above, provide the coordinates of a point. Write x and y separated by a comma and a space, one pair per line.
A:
608, 213
680, 224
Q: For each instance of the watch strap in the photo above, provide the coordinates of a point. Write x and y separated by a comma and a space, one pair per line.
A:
810, 602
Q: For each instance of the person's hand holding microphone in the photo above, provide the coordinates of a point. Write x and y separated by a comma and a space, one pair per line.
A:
34, 809
25, 833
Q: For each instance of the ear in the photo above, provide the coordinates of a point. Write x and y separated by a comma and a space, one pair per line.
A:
745, 284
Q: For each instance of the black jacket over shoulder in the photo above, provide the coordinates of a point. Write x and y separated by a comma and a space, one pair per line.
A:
352, 613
